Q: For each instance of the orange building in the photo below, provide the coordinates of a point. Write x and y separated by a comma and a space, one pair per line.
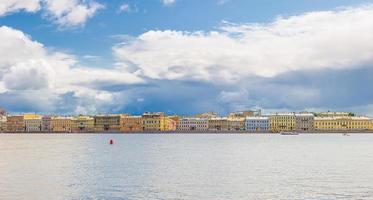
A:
107, 123
130, 124
15, 124
170, 123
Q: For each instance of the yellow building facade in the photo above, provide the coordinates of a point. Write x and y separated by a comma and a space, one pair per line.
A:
344, 123
282, 122
61, 124
153, 122
82, 124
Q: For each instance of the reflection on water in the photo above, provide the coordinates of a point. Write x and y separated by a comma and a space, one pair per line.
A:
186, 167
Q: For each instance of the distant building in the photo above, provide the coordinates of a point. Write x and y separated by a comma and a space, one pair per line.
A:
207, 115
33, 122
304, 122
193, 124
61, 124
130, 124
153, 122
218, 124
282, 122
257, 124
343, 123
243, 114
175, 119
170, 124
2, 112
2, 124
15, 124
335, 114
236, 124
46, 124
107, 123
82, 124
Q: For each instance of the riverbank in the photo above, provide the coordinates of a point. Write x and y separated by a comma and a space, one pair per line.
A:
198, 132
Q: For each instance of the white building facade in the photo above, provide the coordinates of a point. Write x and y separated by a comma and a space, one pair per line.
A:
257, 124
193, 124
33, 125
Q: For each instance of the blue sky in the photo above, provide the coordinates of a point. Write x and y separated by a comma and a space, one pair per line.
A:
185, 56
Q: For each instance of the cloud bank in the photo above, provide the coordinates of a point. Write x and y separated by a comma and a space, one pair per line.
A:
312, 41
26, 66
314, 61
65, 13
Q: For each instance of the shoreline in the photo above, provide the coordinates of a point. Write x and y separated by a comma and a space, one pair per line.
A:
183, 133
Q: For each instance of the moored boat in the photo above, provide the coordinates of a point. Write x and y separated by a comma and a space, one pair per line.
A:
289, 133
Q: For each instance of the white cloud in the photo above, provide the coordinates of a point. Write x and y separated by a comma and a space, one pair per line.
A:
9, 6
168, 2
68, 13
312, 41
222, 2
125, 8
65, 13
92, 58
26, 65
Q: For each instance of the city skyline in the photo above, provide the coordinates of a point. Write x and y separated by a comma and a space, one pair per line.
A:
185, 57
250, 121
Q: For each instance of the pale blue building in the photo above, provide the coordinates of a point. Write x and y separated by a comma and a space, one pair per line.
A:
257, 124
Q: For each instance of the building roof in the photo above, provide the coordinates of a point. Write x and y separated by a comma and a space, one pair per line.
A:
305, 114
343, 117
61, 117
193, 118
130, 116
107, 115
282, 114
257, 118
31, 116
82, 118
219, 118
152, 113
237, 119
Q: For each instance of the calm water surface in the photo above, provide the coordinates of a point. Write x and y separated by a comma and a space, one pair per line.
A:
216, 167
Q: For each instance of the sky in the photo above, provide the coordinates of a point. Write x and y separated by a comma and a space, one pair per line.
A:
186, 56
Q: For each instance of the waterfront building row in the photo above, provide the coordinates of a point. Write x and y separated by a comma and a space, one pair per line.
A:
208, 122
32, 123
279, 122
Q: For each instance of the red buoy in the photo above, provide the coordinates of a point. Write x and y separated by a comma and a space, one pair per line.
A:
111, 142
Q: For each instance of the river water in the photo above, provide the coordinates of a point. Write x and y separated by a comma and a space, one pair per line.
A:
216, 167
